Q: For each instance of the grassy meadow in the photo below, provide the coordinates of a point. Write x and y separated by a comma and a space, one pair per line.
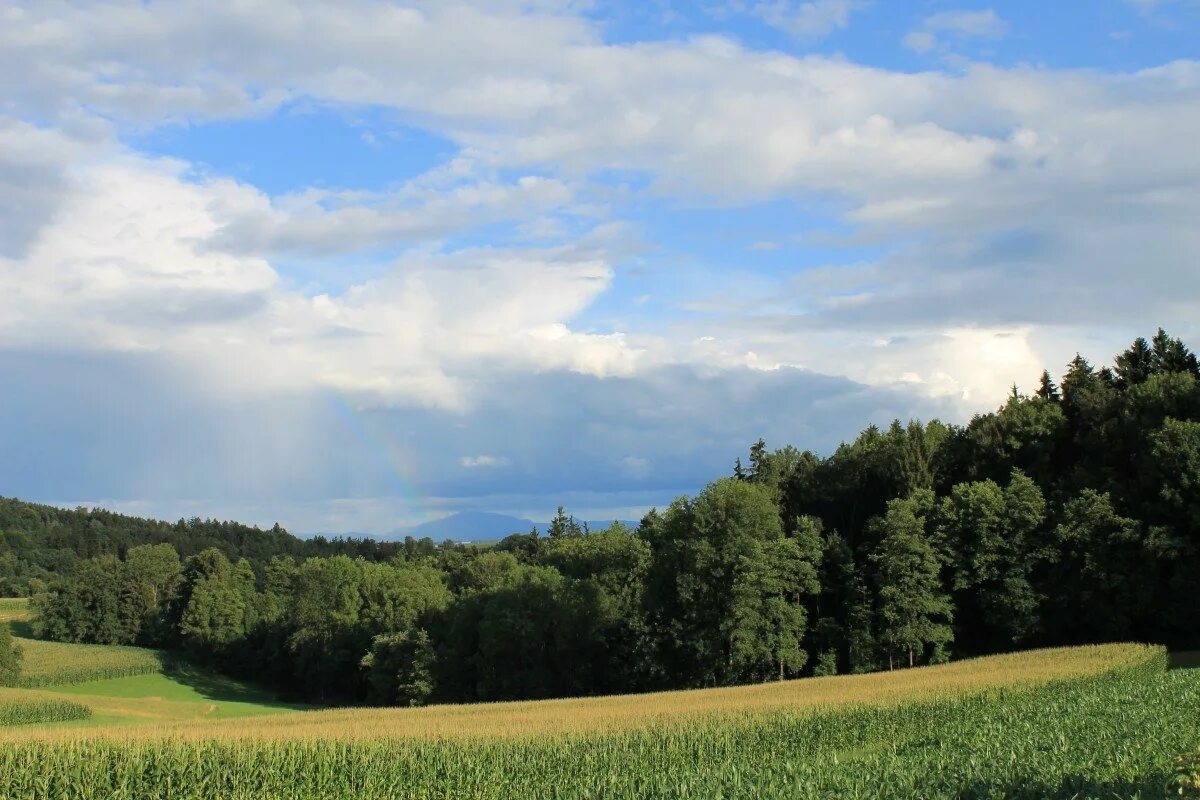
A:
97, 687
1103, 721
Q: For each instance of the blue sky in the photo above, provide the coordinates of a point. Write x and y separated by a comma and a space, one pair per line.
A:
354, 266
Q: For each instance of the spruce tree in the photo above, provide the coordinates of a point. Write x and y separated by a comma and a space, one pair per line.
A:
1136, 364
1171, 355
1047, 390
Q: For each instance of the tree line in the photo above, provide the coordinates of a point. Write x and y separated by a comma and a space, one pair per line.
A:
1069, 515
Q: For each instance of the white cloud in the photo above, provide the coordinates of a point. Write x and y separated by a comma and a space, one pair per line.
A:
129, 263
1009, 200
920, 41
484, 461
636, 467
986, 24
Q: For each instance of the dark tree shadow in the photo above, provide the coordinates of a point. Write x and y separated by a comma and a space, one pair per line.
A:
22, 628
219, 688
1185, 659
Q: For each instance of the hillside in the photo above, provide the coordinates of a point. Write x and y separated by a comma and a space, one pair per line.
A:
1017, 671
973, 729
474, 526
123, 685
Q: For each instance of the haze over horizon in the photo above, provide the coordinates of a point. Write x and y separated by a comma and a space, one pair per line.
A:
358, 266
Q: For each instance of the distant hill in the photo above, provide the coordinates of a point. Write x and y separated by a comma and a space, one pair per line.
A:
482, 526
472, 526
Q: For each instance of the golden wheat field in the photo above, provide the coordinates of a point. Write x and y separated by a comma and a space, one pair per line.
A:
1017, 671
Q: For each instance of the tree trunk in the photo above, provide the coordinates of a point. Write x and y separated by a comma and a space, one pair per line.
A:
910, 656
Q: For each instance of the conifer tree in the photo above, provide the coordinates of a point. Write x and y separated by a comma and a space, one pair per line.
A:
1136, 364
1047, 390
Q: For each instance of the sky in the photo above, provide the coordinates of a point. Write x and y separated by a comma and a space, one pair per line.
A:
354, 266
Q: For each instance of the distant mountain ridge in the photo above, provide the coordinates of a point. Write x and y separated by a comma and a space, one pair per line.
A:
482, 526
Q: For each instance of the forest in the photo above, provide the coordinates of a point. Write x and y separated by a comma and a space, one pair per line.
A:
1071, 514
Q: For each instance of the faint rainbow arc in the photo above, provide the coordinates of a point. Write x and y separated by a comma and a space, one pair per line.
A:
389, 456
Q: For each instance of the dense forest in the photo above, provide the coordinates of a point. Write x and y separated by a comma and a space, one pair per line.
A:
1069, 515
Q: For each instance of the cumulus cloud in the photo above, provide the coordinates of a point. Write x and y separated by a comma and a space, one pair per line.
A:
991, 170
133, 261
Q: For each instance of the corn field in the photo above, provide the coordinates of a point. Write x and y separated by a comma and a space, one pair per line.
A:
54, 663
31, 710
14, 609
1114, 734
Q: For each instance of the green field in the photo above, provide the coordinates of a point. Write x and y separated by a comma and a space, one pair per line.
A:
1099, 722
162, 698
100, 686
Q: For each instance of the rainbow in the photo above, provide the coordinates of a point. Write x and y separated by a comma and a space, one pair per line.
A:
396, 462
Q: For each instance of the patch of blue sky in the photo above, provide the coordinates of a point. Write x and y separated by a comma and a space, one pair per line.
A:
691, 255
1112, 35
303, 146
333, 275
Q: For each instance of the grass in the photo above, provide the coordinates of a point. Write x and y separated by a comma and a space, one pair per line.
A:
1108, 724
174, 697
191, 696
111, 686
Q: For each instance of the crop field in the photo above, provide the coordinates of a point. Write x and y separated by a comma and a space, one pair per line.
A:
21, 708
97, 687
1082, 722
590, 715
51, 663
